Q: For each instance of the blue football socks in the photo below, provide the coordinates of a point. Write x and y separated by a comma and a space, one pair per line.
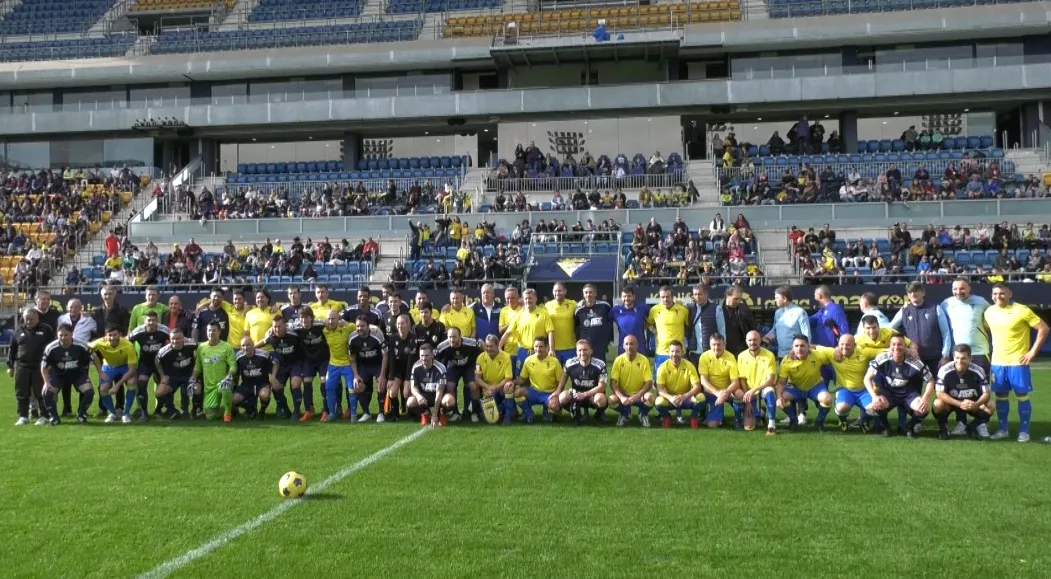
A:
1025, 413
1003, 412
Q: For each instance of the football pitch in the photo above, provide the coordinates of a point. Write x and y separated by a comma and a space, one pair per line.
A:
195, 499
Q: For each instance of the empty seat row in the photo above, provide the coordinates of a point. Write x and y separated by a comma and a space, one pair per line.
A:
346, 176
183, 42
415, 6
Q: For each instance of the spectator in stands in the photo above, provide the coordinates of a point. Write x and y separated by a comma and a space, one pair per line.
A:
656, 164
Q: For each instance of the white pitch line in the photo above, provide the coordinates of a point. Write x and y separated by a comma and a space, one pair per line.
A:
166, 568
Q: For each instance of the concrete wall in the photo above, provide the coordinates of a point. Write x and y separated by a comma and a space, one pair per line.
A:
599, 136
975, 123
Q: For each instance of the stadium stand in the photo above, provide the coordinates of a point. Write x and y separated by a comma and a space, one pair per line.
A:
341, 264
184, 41
997, 253
680, 196
180, 5
806, 8
437, 167
531, 170
277, 10
416, 6
578, 20
53, 16
106, 46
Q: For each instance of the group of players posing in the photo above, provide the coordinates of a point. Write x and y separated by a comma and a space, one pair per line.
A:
415, 359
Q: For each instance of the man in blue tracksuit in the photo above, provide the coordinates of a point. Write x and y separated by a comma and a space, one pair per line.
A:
827, 324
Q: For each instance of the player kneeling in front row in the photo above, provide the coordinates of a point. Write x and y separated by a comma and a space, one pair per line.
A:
717, 369
587, 379
174, 365
256, 376
493, 375
962, 385
65, 364
896, 380
632, 382
428, 383
757, 370
800, 379
679, 388
539, 378
459, 355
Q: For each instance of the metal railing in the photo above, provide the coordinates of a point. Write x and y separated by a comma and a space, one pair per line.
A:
572, 183
868, 170
784, 9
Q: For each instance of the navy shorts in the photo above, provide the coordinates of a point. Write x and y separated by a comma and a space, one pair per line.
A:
454, 374
75, 381
284, 373
369, 374
397, 370
177, 382
246, 392
146, 371
307, 369
900, 399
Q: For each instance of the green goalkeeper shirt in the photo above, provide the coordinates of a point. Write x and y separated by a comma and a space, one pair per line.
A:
138, 315
215, 362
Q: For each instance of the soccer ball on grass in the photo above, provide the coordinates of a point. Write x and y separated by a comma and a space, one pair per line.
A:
292, 485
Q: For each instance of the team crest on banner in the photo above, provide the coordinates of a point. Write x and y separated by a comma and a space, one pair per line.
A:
571, 265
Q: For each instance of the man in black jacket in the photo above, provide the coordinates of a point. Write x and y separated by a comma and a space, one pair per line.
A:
48, 313
23, 363
737, 320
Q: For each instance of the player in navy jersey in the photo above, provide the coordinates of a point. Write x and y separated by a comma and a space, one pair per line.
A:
290, 311
368, 361
586, 377
363, 309
429, 330
390, 312
427, 384
459, 355
962, 386
289, 358
175, 364
65, 365
896, 380
214, 312
593, 322
315, 356
150, 337
403, 350
253, 379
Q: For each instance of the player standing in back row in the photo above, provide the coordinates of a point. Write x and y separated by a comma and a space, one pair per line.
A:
593, 322
1009, 326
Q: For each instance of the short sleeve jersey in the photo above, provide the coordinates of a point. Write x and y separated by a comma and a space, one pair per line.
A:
541, 375
908, 376
286, 348
433, 334
583, 377
720, 371
677, 379
460, 357
368, 348
967, 385
403, 351
428, 379
69, 363
254, 370
312, 341
123, 354
631, 375
177, 363
494, 370
149, 343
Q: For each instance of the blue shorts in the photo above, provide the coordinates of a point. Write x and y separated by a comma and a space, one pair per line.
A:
1017, 379
661, 358
338, 376
114, 373
860, 398
307, 369
535, 397
828, 374
812, 393
516, 366
565, 356
454, 374
902, 400
520, 360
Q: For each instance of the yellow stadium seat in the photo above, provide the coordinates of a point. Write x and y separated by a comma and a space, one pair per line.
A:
106, 216
125, 197
8, 299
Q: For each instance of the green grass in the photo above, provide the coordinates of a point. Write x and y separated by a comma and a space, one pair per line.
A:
550, 500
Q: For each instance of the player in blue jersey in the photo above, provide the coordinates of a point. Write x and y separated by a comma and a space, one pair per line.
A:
630, 318
897, 380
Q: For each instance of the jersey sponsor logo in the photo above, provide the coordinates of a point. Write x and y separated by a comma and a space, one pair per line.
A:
593, 321
252, 372
68, 365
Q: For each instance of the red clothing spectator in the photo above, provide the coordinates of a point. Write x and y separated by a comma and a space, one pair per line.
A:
795, 236
371, 249
193, 250
112, 245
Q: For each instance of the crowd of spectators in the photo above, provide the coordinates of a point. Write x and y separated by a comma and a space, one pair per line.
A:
481, 255
975, 178
324, 199
678, 196
989, 253
718, 254
533, 164
133, 266
45, 216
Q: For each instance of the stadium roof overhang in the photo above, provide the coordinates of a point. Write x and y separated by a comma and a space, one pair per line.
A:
519, 52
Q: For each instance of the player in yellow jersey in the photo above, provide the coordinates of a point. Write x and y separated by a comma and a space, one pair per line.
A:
757, 370
721, 382
236, 313
532, 322
324, 305
512, 305
493, 377
562, 312
457, 315
260, 319
874, 340
119, 360
632, 383
800, 379
667, 320
678, 387
1009, 327
340, 374
540, 376
851, 364
422, 300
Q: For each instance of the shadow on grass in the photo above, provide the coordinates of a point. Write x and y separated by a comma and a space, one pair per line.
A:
322, 497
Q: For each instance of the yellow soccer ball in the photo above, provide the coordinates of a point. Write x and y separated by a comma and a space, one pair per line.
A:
292, 485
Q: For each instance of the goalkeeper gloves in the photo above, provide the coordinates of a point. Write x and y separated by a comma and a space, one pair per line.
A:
193, 387
226, 384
